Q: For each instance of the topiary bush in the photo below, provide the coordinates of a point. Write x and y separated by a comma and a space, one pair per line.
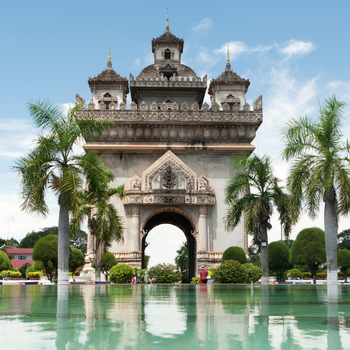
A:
230, 271
35, 274
164, 273
30, 269
253, 272
5, 263
46, 251
5, 274
108, 260
234, 253
121, 273
294, 273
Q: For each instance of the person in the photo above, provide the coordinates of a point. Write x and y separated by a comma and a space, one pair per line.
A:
137, 279
134, 280
204, 275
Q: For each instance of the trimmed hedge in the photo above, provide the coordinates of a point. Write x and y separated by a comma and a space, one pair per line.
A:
121, 273
234, 253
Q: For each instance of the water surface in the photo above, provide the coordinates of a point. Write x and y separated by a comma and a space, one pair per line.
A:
175, 317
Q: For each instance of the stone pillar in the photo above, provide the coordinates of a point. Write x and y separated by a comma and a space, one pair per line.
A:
134, 234
202, 237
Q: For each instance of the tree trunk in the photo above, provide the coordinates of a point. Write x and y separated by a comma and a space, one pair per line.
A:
264, 254
98, 259
331, 230
314, 277
63, 243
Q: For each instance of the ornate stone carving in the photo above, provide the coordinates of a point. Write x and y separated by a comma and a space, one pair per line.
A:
175, 106
169, 178
205, 106
143, 106
154, 106
257, 105
195, 106
91, 105
203, 183
79, 99
102, 105
184, 106
225, 106
112, 105
246, 107
122, 106
133, 106
215, 107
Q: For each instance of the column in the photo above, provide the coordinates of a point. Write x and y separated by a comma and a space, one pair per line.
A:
202, 237
135, 228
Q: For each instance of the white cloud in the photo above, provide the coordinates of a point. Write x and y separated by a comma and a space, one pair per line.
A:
236, 48
66, 107
203, 25
297, 47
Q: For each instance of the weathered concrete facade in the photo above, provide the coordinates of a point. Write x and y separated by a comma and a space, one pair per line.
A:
172, 151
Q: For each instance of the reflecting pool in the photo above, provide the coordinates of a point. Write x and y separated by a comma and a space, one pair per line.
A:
175, 317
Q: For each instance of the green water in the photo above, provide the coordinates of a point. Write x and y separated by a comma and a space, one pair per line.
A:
174, 317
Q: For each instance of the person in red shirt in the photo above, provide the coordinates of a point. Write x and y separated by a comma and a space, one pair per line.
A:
204, 275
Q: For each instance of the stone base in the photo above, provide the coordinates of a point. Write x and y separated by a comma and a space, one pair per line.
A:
132, 258
208, 259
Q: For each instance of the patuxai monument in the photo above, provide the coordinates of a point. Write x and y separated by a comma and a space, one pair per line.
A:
171, 151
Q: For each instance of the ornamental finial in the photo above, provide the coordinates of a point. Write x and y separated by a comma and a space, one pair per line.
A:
167, 22
228, 53
228, 64
109, 63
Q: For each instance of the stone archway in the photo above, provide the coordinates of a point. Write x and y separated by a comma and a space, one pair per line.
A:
180, 219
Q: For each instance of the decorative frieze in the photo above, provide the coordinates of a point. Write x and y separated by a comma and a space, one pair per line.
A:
209, 257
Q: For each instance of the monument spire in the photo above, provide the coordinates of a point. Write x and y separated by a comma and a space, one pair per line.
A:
109, 63
167, 22
228, 64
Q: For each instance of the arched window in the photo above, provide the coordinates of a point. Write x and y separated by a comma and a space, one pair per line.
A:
167, 54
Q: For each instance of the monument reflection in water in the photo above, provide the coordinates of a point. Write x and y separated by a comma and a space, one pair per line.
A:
175, 317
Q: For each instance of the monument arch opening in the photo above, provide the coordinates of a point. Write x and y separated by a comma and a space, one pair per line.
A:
179, 219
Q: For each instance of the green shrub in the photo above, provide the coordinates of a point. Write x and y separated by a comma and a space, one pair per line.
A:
164, 273
321, 275
35, 274
5, 263
121, 273
234, 253
76, 259
306, 274
195, 280
39, 266
294, 273
279, 259
15, 274
30, 269
230, 271
46, 251
253, 272
23, 269
5, 274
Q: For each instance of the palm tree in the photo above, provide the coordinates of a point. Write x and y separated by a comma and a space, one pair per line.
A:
320, 170
104, 222
53, 165
181, 260
253, 191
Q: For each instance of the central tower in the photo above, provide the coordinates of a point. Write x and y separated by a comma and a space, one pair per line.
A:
171, 151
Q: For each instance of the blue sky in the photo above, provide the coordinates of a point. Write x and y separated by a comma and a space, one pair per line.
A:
294, 53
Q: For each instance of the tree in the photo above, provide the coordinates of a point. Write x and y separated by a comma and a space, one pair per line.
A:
279, 259
108, 260
309, 249
79, 241
46, 251
5, 263
344, 240
23, 269
76, 259
104, 222
53, 165
32, 237
253, 191
320, 171
254, 255
146, 261
344, 262
234, 253
181, 261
